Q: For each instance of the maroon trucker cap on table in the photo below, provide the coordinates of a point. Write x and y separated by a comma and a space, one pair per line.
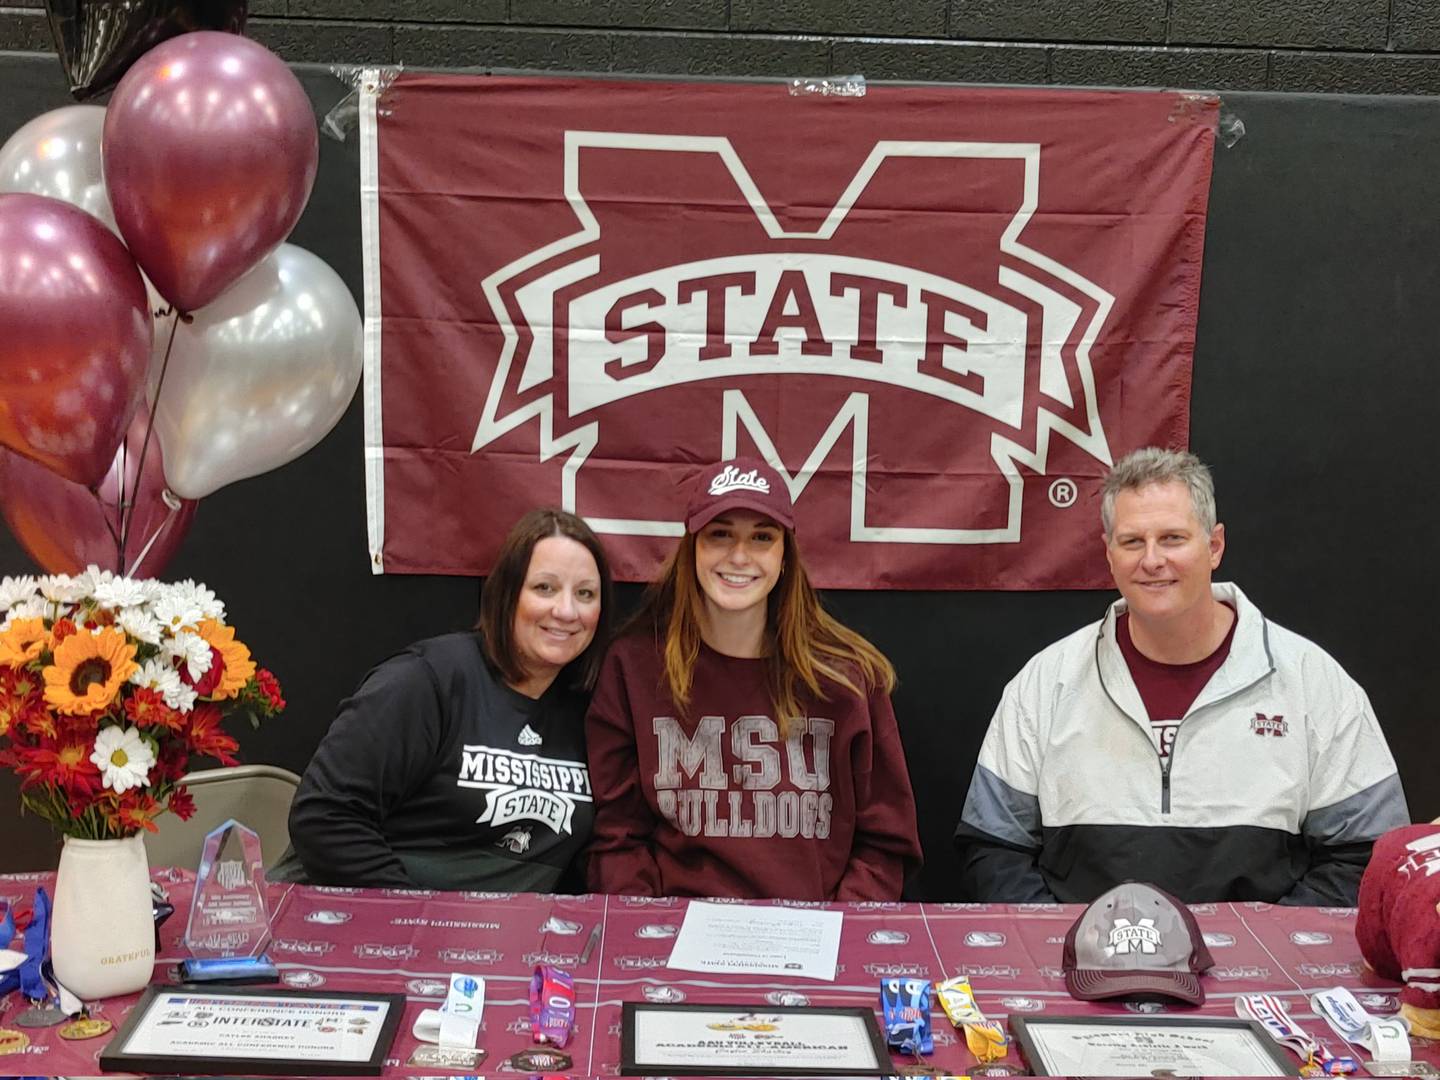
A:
1133, 941
741, 484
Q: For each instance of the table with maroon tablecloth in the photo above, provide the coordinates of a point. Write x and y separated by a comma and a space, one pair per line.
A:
409, 942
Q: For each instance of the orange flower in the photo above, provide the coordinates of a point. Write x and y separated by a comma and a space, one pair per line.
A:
19, 699
23, 641
88, 671
134, 810
236, 667
146, 708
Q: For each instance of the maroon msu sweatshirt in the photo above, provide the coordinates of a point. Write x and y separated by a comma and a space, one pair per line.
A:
717, 804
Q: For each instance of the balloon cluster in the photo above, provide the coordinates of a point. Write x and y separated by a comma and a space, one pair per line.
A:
160, 338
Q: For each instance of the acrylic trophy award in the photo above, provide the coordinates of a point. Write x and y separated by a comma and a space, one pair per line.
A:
227, 912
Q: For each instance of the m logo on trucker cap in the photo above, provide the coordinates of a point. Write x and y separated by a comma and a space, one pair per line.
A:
605, 339
1140, 936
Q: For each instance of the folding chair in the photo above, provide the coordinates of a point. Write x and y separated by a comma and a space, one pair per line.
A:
255, 795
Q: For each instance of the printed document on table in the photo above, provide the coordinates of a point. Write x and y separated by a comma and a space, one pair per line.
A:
746, 939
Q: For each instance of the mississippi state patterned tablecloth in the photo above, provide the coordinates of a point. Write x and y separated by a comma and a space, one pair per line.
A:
408, 942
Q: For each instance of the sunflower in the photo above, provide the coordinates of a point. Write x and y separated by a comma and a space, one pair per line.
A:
88, 671
23, 641
236, 667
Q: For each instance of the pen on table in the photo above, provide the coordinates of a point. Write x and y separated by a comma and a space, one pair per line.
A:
590, 944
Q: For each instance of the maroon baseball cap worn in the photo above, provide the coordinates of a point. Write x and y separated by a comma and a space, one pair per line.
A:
1136, 941
741, 484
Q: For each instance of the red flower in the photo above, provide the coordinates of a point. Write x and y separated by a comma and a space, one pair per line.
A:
205, 735
62, 629
211, 679
171, 761
270, 687
64, 765
182, 803
136, 809
146, 708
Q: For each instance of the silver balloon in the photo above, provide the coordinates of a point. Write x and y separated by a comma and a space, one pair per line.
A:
260, 376
58, 155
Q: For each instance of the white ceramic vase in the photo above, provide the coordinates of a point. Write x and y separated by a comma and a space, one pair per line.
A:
102, 928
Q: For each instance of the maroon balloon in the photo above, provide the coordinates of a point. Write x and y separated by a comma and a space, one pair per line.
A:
66, 527
210, 152
75, 337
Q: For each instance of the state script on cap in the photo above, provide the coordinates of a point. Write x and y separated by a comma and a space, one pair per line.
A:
1136, 941
742, 484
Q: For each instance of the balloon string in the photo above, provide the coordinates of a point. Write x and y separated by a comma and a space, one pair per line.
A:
128, 518
129, 570
113, 526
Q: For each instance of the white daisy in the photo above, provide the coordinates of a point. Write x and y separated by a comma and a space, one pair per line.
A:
123, 758
98, 576
175, 611
120, 592
179, 697
192, 650
157, 674
200, 597
33, 608
15, 589
139, 624
64, 589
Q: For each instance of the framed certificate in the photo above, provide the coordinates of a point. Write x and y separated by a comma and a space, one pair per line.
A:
201, 1030
743, 1040
1149, 1046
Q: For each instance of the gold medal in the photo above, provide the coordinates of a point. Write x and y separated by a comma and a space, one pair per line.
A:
12, 1041
87, 1027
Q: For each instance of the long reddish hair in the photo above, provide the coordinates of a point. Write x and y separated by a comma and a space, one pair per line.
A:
804, 644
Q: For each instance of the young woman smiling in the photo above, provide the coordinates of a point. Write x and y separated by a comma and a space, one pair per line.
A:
741, 740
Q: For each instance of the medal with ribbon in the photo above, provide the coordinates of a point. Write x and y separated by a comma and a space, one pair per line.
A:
1387, 1039
1272, 1014
905, 1006
22, 968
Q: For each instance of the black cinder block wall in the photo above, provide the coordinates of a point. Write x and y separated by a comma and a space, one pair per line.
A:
1344, 46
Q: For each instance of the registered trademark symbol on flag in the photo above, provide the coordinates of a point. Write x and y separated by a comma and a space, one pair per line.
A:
1063, 493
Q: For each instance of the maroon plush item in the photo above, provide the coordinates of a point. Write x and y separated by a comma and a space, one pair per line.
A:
1398, 927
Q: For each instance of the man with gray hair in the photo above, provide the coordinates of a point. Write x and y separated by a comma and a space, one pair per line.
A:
1183, 740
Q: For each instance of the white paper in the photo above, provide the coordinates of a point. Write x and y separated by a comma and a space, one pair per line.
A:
204, 1026
746, 939
723, 1038
1109, 1050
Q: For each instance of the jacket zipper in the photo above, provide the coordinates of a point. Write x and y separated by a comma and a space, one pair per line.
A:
1165, 762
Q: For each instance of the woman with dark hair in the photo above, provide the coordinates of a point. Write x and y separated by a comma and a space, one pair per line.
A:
460, 762
741, 740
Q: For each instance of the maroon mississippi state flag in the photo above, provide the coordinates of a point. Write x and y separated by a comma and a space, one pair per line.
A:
940, 313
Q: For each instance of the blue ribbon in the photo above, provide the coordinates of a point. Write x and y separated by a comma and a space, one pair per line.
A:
28, 975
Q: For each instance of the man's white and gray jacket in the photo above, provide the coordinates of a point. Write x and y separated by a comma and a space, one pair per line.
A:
1278, 782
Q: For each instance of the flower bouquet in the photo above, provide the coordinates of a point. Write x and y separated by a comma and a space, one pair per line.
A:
108, 687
